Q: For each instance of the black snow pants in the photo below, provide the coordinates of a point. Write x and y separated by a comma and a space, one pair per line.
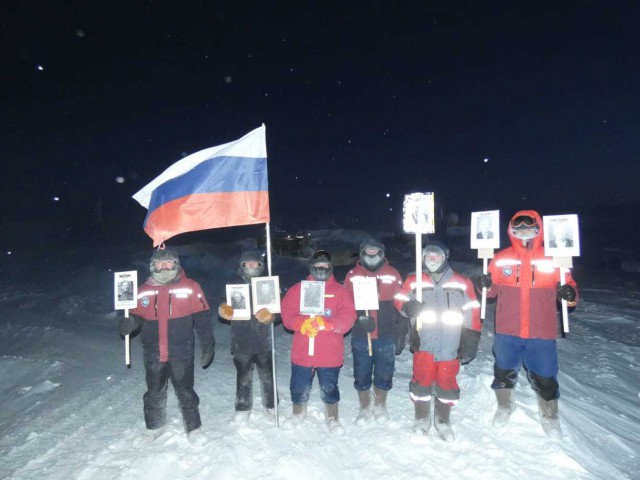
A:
180, 372
244, 387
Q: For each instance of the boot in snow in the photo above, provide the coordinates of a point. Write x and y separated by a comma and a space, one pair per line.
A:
365, 413
147, 437
505, 407
422, 423
380, 406
241, 416
299, 414
442, 421
331, 415
549, 417
198, 437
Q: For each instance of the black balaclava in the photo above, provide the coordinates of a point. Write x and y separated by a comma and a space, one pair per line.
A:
320, 273
371, 262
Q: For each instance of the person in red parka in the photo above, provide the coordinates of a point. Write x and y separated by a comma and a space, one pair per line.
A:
170, 306
318, 339
526, 286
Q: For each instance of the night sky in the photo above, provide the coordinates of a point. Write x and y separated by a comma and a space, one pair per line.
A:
490, 105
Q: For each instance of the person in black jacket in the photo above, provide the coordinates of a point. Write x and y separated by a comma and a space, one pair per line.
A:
170, 306
251, 344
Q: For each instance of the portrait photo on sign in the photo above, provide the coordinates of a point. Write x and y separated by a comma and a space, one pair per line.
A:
238, 298
365, 293
125, 290
266, 293
312, 298
561, 235
418, 213
485, 229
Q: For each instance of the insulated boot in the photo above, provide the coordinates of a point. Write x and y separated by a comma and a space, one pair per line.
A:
505, 407
365, 413
549, 417
198, 438
422, 423
442, 421
241, 416
380, 406
147, 437
331, 416
299, 414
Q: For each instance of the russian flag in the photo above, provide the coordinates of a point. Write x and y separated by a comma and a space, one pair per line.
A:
217, 187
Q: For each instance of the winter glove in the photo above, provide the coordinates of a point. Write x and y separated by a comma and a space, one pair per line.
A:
367, 323
264, 316
484, 281
566, 292
321, 323
308, 329
468, 348
225, 311
412, 308
129, 325
208, 352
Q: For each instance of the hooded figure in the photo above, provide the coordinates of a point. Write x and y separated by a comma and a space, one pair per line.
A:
525, 284
251, 343
378, 335
445, 331
170, 308
318, 339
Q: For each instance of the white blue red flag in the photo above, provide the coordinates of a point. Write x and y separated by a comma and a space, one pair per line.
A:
217, 187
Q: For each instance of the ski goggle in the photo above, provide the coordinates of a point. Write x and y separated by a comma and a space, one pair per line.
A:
524, 221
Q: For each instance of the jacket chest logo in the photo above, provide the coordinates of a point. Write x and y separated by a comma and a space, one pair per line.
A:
145, 301
507, 271
328, 312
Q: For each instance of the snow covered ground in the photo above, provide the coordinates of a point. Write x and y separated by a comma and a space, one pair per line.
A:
69, 408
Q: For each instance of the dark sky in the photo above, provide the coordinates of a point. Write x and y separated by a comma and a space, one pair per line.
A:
491, 105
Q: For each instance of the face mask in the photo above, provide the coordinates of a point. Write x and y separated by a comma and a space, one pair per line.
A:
372, 262
320, 273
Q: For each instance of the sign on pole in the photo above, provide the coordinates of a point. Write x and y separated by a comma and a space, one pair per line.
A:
562, 242
125, 296
485, 237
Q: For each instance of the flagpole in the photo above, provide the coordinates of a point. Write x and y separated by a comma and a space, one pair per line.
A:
273, 337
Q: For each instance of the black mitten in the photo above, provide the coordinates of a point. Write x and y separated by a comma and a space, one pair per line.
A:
412, 308
566, 292
468, 348
128, 325
208, 352
484, 281
367, 323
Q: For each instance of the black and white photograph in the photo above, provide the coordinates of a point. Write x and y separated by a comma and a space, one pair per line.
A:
238, 298
418, 213
125, 289
485, 229
266, 293
312, 298
561, 235
365, 293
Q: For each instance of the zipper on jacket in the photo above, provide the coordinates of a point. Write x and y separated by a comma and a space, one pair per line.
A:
155, 302
170, 297
518, 276
533, 274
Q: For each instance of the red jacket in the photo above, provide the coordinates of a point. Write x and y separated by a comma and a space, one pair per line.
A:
170, 313
525, 284
387, 317
329, 346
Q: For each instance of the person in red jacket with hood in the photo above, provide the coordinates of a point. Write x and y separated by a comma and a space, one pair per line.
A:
526, 286
326, 332
170, 307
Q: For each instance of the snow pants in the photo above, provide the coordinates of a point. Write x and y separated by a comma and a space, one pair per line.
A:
434, 378
302, 378
539, 357
158, 374
379, 366
244, 385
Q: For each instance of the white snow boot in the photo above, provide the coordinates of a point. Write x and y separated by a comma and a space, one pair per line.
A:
548, 410
443, 426
241, 416
147, 437
331, 415
422, 423
505, 408
299, 414
197, 437
380, 406
365, 413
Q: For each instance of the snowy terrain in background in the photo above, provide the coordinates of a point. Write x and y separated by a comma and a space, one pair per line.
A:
69, 408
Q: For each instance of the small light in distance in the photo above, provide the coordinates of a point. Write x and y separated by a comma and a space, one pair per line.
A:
119, 179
